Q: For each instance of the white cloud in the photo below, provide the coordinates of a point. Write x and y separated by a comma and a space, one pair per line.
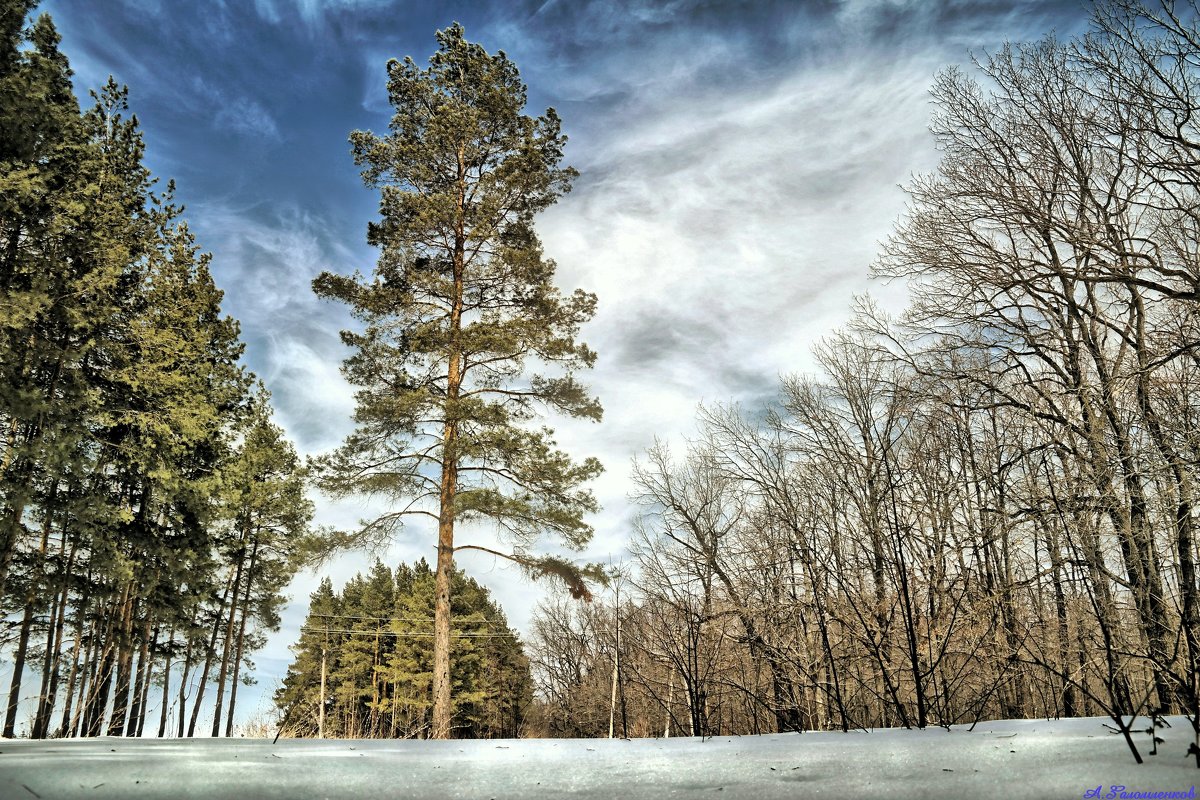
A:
313, 12
265, 263
229, 109
247, 116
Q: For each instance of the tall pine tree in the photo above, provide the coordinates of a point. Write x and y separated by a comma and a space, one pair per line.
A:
460, 305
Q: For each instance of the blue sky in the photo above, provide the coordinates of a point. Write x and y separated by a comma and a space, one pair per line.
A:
740, 162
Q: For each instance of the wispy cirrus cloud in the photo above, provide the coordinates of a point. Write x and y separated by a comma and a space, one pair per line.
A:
231, 110
268, 258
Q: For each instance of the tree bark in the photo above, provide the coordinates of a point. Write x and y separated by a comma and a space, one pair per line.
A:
49, 693
223, 673
209, 654
166, 691
241, 639
183, 678
137, 715
14, 686
124, 665
65, 727
448, 487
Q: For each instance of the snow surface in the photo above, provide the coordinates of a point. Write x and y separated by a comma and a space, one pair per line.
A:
1009, 759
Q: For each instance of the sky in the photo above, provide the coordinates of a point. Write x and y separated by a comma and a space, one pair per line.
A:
740, 162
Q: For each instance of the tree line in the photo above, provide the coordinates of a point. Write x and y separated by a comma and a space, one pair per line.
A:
985, 507
150, 510
364, 662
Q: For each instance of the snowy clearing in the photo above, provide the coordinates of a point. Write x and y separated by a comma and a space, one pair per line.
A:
1014, 758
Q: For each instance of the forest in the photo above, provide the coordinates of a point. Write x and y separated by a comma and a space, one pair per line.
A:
982, 507
364, 669
151, 513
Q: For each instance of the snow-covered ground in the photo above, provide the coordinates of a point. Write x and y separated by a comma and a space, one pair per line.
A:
1008, 759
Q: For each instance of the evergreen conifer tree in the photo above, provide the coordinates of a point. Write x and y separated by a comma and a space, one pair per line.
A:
377, 637
150, 513
461, 304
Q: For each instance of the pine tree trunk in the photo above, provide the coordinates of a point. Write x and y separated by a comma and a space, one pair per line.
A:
87, 674
241, 640
441, 611
97, 705
442, 702
223, 673
144, 700
74, 728
183, 679
164, 712
14, 686
49, 694
64, 727
100, 679
49, 658
50, 666
375, 723
31, 594
136, 713
128, 694
321, 708
124, 665
209, 653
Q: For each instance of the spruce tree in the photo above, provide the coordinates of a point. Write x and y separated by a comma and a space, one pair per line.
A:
461, 305
300, 694
377, 637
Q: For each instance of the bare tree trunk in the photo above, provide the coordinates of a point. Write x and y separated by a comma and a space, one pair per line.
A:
137, 708
1183, 539
124, 664
166, 691
1067, 695
209, 654
241, 640
229, 631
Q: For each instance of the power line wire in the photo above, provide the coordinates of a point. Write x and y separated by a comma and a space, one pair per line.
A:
418, 634
412, 619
